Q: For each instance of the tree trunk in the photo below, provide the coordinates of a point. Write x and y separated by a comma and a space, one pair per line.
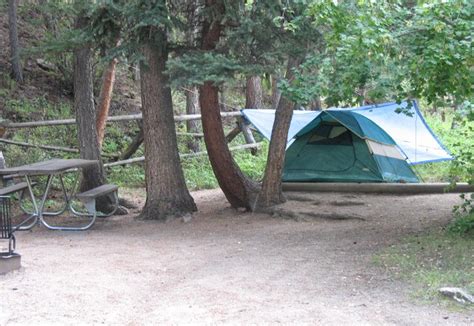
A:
254, 93
271, 193
194, 10
192, 126
165, 185
93, 176
105, 97
276, 94
134, 145
17, 72
49, 22
222, 99
238, 189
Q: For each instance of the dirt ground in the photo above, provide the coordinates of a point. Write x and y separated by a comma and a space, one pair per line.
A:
228, 267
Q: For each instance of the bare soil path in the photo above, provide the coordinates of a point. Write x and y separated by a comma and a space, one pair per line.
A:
228, 267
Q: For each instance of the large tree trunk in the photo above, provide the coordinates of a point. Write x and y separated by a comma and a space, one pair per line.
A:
271, 193
105, 97
165, 185
93, 176
14, 44
254, 93
238, 189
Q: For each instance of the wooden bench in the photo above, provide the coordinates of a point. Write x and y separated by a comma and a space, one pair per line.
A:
14, 188
88, 198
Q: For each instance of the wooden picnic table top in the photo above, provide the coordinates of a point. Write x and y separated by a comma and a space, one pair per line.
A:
48, 167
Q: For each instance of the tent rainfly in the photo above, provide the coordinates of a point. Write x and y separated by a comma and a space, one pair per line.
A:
368, 144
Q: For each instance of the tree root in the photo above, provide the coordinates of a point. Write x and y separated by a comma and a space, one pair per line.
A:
298, 197
307, 216
346, 203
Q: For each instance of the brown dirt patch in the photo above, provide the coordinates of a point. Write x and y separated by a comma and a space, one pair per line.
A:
227, 267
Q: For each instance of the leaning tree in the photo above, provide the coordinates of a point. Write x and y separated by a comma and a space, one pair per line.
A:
249, 38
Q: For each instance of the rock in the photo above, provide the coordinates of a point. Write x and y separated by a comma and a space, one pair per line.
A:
45, 65
457, 294
9, 262
131, 95
121, 210
186, 218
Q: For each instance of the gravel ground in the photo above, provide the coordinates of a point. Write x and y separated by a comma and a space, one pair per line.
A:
229, 267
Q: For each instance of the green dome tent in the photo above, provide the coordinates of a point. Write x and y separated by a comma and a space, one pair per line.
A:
344, 146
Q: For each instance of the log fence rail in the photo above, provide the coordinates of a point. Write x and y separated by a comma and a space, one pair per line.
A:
240, 126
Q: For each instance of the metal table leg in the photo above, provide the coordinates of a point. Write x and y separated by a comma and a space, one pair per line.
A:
35, 214
68, 198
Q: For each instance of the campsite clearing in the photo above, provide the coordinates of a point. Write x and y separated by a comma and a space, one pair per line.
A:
225, 266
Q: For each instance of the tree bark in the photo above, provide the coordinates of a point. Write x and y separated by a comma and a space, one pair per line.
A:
194, 10
49, 22
105, 97
238, 189
192, 126
165, 185
271, 193
17, 72
276, 94
84, 108
134, 145
254, 93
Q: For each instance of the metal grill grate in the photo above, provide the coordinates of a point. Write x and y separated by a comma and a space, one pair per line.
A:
6, 231
5, 219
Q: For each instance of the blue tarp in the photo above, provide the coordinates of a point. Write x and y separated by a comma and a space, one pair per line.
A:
409, 131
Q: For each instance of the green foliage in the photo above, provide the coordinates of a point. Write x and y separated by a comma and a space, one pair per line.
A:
463, 225
392, 50
129, 176
199, 175
464, 144
451, 133
431, 261
196, 69
40, 109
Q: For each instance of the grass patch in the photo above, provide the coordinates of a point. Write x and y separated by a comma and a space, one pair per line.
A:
432, 261
197, 170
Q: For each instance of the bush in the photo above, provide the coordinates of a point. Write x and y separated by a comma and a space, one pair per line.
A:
463, 225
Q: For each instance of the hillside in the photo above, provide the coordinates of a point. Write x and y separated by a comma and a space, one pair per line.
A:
44, 78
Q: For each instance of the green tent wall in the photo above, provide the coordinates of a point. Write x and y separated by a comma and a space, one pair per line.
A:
344, 146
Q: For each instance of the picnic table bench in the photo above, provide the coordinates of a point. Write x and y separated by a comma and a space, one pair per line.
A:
57, 168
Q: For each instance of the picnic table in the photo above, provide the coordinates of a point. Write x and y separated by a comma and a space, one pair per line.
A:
58, 168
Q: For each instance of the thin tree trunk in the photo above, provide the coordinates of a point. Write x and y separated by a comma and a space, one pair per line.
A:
93, 176
254, 93
17, 72
192, 126
134, 145
49, 21
271, 193
276, 94
165, 185
222, 99
105, 97
193, 34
